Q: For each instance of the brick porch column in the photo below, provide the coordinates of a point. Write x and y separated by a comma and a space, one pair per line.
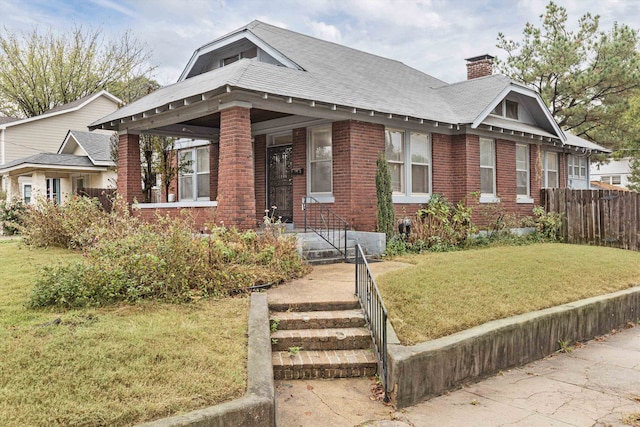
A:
129, 167
236, 192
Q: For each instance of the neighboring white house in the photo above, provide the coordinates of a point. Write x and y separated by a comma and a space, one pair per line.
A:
34, 140
615, 172
82, 161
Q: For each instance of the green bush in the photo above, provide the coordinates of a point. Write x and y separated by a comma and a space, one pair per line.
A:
12, 215
386, 210
548, 225
166, 261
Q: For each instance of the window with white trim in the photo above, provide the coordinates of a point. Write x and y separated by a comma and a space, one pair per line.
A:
577, 167
26, 193
487, 167
551, 170
611, 179
409, 157
395, 154
53, 189
193, 182
320, 160
522, 171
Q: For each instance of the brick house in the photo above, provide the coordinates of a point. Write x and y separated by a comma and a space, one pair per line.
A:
270, 117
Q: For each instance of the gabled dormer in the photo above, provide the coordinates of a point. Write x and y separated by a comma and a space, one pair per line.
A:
232, 47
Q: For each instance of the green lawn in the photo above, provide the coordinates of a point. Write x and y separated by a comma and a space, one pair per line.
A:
444, 293
117, 366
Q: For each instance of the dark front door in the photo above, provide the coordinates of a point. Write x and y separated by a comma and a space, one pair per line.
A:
280, 186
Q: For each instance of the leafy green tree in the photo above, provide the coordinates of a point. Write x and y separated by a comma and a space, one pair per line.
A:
584, 76
386, 212
42, 70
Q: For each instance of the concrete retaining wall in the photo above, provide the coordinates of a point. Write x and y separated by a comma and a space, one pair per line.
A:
257, 407
431, 368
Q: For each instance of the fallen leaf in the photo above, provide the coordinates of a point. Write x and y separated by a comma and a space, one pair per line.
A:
309, 387
308, 413
474, 402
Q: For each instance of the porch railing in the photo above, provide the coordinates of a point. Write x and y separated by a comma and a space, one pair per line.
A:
375, 313
325, 223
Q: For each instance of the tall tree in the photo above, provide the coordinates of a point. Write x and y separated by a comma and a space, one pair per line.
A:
584, 76
42, 70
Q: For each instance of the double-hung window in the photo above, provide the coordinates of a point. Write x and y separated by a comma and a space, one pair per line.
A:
320, 161
395, 154
487, 169
193, 183
522, 172
551, 169
409, 157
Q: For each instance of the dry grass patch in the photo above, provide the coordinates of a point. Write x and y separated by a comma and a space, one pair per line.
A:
444, 293
116, 366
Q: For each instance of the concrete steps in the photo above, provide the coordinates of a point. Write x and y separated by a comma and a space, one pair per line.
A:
321, 340
317, 250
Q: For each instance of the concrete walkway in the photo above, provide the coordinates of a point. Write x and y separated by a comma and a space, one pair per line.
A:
597, 384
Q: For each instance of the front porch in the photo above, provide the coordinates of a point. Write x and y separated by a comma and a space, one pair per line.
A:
252, 153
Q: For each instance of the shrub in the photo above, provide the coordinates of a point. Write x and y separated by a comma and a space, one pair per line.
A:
166, 261
12, 215
441, 226
548, 225
386, 210
78, 224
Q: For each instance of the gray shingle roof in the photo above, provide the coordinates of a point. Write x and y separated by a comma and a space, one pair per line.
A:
334, 74
51, 159
96, 145
576, 141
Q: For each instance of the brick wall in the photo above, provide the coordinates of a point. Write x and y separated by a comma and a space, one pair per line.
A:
236, 197
129, 167
260, 154
355, 149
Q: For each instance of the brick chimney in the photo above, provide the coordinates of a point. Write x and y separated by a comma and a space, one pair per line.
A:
479, 66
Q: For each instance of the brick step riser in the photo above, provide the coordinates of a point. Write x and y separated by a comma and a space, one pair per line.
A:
299, 373
315, 306
291, 324
330, 343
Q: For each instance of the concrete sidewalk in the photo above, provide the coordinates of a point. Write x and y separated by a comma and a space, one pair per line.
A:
597, 384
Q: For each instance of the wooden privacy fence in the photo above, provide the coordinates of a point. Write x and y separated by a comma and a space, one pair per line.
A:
596, 217
104, 195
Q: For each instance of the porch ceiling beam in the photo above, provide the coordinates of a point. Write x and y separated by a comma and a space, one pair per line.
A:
173, 116
187, 131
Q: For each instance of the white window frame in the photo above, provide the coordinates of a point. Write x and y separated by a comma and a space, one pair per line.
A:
488, 197
581, 165
547, 169
524, 198
408, 196
322, 197
50, 187
194, 174
24, 185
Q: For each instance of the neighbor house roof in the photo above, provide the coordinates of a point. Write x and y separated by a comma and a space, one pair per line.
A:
49, 160
4, 120
96, 145
62, 109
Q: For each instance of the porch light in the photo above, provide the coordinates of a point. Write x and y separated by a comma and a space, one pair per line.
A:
421, 121
354, 111
334, 107
265, 95
312, 104
390, 116
406, 118
289, 100
372, 113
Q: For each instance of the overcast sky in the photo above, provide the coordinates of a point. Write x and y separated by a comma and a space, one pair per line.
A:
433, 36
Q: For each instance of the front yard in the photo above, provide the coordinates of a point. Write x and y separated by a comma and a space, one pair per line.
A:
444, 293
113, 366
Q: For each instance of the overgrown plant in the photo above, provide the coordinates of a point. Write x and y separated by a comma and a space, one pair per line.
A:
548, 224
386, 212
166, 261
441, 225
11, 216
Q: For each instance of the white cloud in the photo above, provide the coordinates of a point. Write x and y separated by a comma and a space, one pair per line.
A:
325, 31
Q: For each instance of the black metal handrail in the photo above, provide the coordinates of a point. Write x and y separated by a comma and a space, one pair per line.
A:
326, 224
375, 313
